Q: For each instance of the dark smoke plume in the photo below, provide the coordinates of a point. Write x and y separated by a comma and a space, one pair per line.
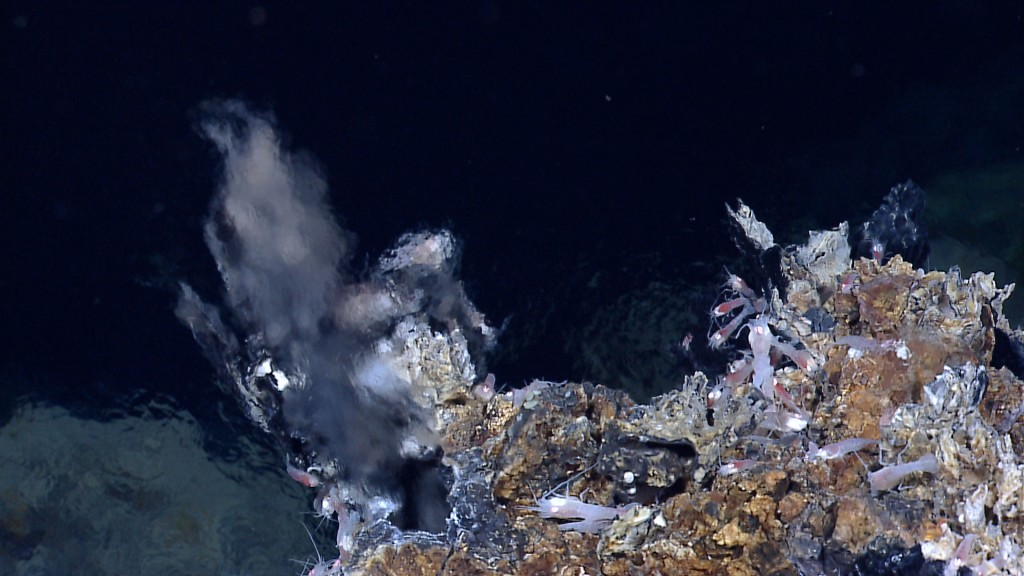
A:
302, 341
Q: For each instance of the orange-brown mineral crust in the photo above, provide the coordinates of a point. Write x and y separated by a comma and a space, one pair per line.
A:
778, 509
408, 559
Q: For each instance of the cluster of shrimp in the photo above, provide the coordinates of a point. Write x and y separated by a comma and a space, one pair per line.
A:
758, 364
785, 416
330, 503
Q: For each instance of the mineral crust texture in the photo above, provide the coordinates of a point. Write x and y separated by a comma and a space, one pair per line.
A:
892, 446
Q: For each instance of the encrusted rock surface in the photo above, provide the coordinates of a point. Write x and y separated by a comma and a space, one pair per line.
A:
901, 358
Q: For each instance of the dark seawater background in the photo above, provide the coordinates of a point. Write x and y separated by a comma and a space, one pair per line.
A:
582, 152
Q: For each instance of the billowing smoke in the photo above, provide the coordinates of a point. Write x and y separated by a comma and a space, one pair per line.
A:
279, 250
306, 338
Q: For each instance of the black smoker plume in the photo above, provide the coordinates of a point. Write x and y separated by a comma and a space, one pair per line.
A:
301, 342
